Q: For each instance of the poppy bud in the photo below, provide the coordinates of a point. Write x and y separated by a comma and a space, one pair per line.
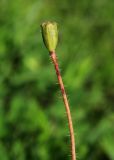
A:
50, 35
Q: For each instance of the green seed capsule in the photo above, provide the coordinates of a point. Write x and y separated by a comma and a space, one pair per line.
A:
50, 35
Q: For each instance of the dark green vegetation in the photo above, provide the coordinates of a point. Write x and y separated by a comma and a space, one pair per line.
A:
32, 116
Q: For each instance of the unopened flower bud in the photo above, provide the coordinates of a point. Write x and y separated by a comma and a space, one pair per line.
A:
50, 35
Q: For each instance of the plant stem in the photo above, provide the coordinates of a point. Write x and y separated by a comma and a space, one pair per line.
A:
55, 62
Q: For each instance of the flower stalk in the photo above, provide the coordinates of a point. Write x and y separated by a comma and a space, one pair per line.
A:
50, 37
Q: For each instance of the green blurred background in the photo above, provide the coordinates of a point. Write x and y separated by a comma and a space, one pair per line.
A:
33, 122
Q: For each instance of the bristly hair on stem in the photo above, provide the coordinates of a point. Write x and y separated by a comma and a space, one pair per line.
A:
50, 38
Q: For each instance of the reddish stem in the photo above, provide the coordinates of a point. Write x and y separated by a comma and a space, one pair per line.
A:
55, 62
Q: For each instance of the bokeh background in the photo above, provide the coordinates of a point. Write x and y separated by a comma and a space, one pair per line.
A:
33, 122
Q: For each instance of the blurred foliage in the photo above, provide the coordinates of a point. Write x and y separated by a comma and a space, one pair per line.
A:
33, 123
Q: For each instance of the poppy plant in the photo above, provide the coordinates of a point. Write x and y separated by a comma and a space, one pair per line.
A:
50, 38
